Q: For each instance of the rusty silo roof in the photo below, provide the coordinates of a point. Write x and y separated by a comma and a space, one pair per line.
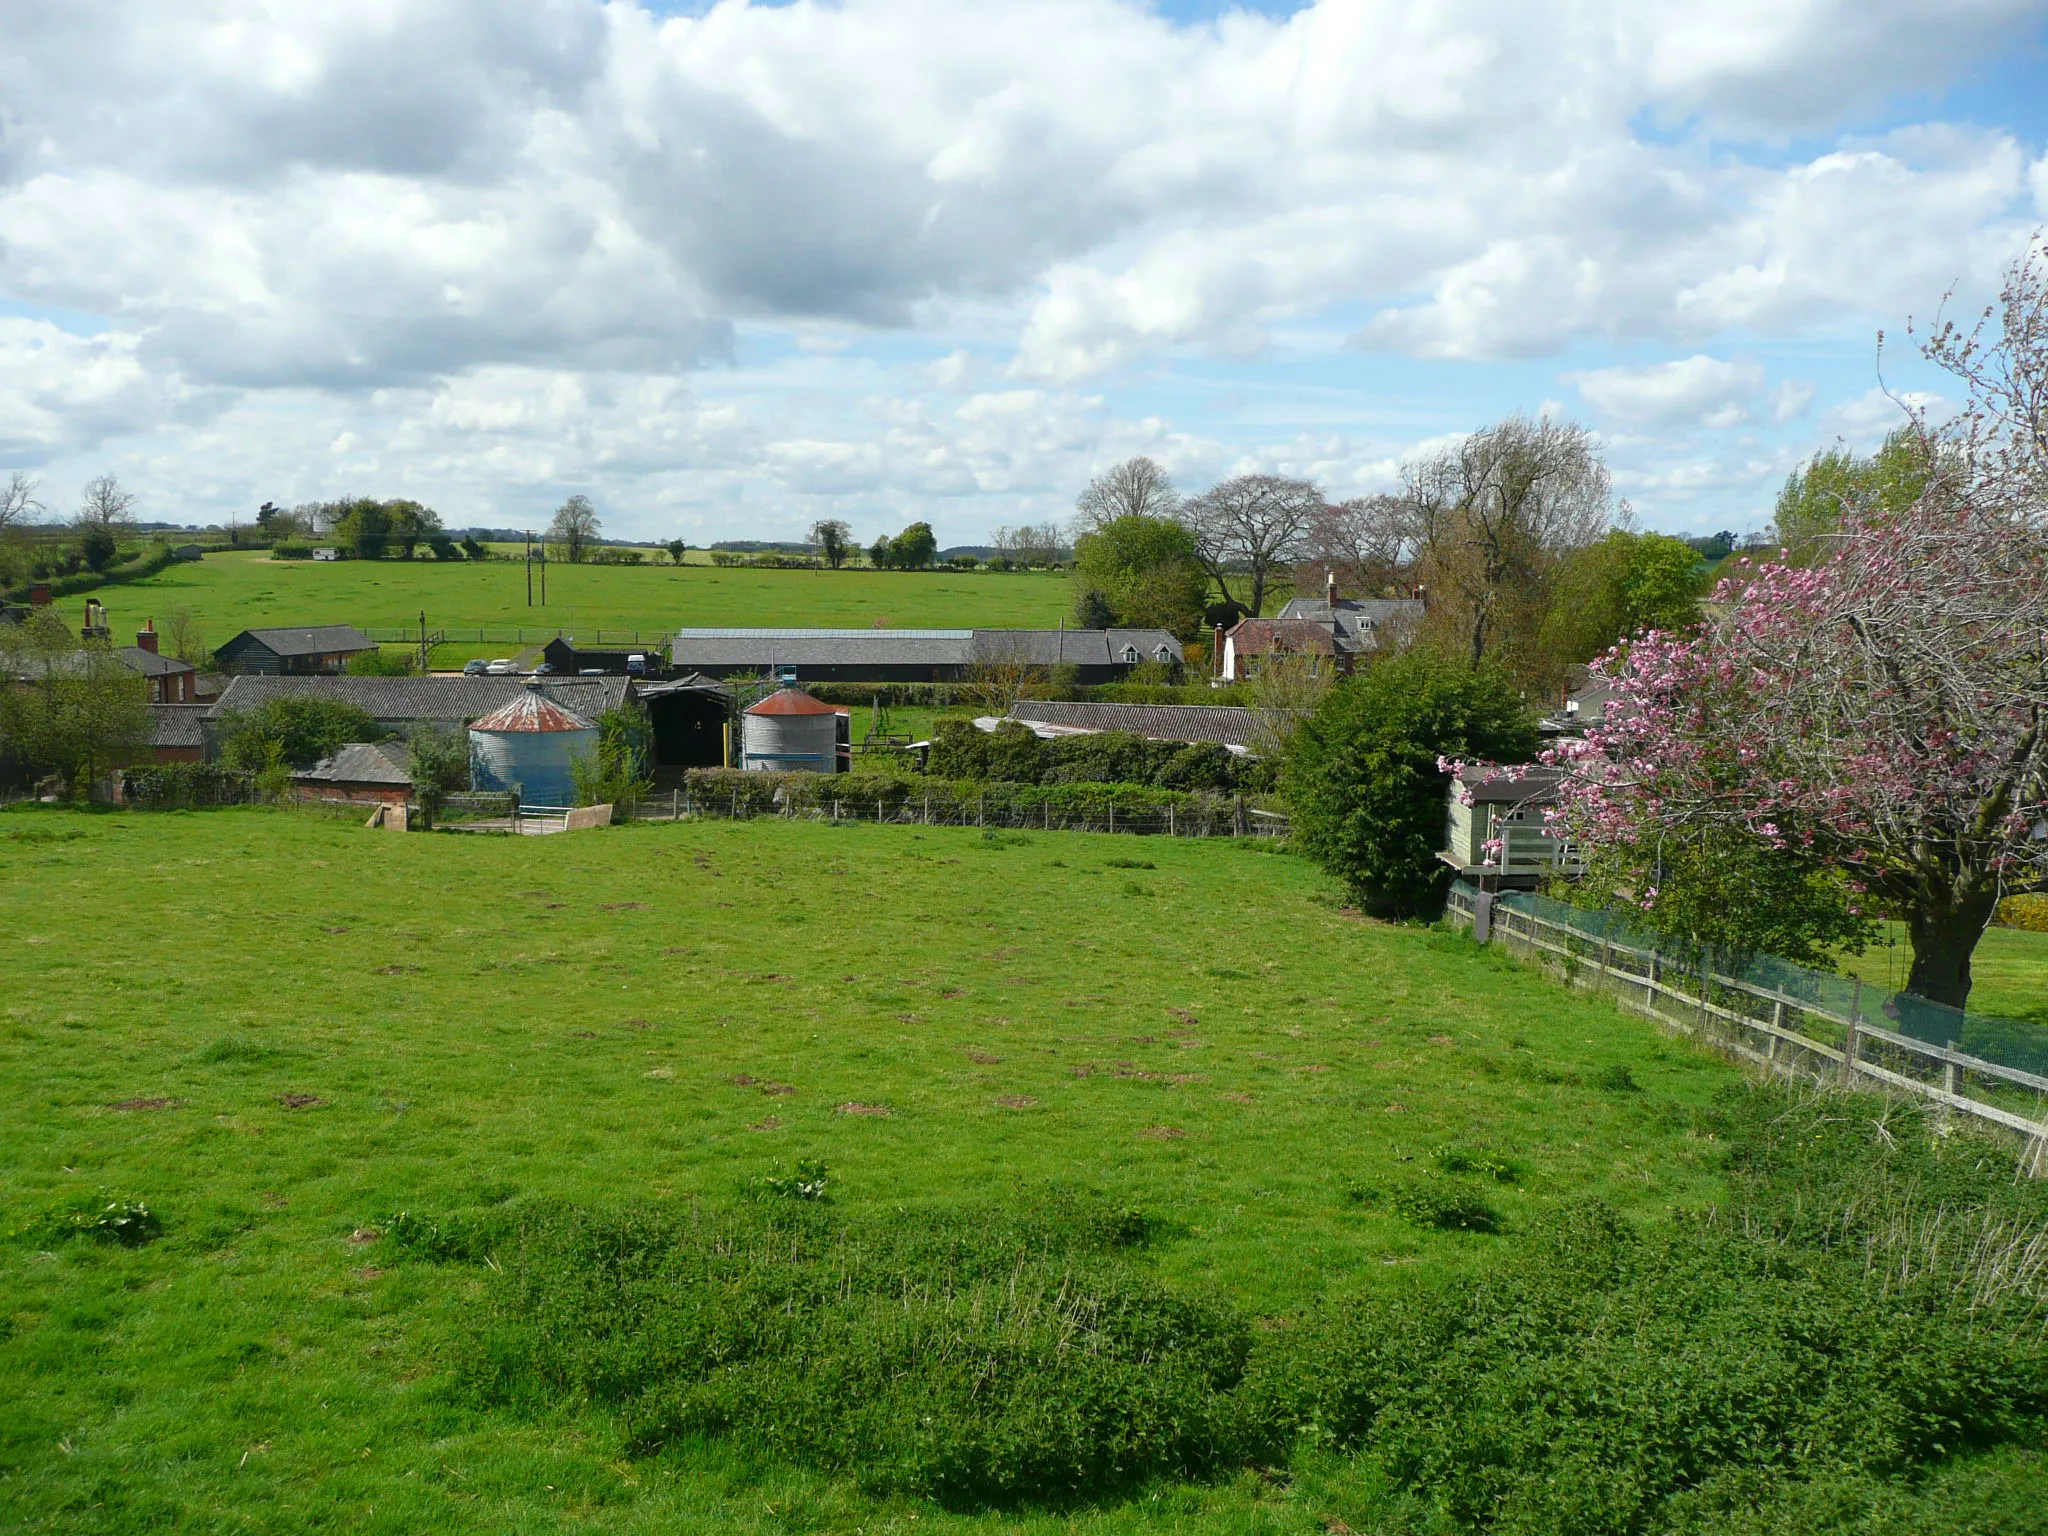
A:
791, 701
531, 711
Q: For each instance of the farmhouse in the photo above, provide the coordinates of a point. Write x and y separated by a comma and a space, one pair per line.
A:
322, 648
1494, 833
916, 655
1341, 629
170, 680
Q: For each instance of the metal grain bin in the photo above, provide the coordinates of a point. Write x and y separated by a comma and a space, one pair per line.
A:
789, 731
526, 745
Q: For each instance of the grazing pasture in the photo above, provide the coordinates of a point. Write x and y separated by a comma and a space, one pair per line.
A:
232, 592
390, 1121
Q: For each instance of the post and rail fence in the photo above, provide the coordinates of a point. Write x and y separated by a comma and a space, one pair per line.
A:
1787, 1019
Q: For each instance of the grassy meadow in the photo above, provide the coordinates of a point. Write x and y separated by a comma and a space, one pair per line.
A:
2009, 971
232, 592
279, 1031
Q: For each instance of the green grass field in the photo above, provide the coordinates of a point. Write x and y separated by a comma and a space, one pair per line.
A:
278, 1030
2009, 971
232, 592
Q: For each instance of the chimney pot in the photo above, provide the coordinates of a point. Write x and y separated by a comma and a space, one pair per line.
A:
145, 637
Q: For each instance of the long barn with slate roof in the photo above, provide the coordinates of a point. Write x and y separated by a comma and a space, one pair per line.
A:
310, 651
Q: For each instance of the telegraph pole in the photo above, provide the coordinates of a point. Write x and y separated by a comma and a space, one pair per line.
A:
529, 567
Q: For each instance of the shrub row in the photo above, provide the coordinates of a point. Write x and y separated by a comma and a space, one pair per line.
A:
182, 786
862, 794
946, 695
1745, 1370
1012, 754
144, 562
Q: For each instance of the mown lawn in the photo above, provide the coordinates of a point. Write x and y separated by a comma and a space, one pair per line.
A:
278, 1031
232, 592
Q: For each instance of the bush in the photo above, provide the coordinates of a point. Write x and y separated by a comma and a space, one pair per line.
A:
184, 786
144, 562
295, 732
861, 795
382, 663
2026, 912
1013, 754
1362, 786
615, 554
285, 551
1444, 1204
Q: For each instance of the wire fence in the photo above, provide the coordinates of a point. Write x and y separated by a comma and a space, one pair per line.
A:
1787, 1018
1213, 818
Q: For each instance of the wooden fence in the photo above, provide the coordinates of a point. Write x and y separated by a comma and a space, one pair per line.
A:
1785, 1035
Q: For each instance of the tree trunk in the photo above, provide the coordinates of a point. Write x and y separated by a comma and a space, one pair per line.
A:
1944, 936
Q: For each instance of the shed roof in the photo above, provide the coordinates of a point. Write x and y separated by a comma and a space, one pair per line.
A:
448, 700
313, 640
152, 663
791, 701
1513, 784
362, 762
1226, 725
176, 725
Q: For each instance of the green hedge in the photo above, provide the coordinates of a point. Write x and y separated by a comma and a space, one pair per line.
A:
860, 795
146, 561
180, 786
942, 695
1014, 755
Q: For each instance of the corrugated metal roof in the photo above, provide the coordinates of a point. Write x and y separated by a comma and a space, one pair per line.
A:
824, 634
791, 701
362, 762
532, 712
1224, 724
450, 700
176, 725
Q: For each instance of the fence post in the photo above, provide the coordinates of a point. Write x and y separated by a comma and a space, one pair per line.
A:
735, 805
1169, 822
675, 805
927, 807
1948, 1072
1851, 1040
1112, 815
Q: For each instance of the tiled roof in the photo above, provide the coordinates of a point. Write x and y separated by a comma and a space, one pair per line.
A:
363, 762
448, 700
176, 725
152, 663
719, 650
1299, 637
1076, 647
1224, 724
315, 640
1526, 784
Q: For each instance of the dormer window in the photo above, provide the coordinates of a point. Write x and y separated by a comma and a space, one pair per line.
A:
1164, 653
1130, 655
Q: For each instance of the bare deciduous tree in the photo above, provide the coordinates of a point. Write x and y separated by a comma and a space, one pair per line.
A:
104, 504
1249, 527
1366, 543
1491, 518
187, 636
18, 504
1003, 673
1137, 487
1032, 544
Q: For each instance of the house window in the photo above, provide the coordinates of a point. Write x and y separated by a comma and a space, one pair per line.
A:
1164, 653
1131, 655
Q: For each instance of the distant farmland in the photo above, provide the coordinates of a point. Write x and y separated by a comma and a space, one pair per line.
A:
231, 592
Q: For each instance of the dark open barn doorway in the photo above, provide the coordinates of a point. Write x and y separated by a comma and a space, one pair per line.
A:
689, 724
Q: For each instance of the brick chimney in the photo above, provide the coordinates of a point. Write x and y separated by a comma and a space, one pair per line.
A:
145, 637
39, 594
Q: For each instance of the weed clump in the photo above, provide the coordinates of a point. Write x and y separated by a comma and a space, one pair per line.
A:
808, 1180
100, 1218
1445, 1205
1616, 1078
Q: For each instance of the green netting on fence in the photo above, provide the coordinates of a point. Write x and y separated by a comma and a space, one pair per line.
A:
2009, 1042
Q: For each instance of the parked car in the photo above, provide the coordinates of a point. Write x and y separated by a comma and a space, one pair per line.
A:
591, 672
636, 665
545, 669
474, 668
502, 667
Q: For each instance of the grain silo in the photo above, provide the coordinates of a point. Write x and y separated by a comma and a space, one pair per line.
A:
526, 745
791, 732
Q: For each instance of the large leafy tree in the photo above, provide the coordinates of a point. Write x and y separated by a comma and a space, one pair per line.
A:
1817, 494
1144, 571
574, 528
296, 731
1366, 795
913, 548
833, 538
1883, 711
1624, 584
68, 707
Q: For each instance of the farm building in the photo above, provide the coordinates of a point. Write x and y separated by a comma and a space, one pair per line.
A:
176, 733
791, 732
1504, 806
916, 655
374, 773
404, 704
1227, 726
170, 680
318, 649
188, 552
528, 745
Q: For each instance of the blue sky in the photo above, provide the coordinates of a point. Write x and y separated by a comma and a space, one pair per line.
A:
730, 268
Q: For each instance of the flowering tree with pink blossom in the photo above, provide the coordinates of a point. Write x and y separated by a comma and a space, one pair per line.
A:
1880, 713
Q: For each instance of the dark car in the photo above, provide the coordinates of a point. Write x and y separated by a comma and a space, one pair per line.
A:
474, 668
